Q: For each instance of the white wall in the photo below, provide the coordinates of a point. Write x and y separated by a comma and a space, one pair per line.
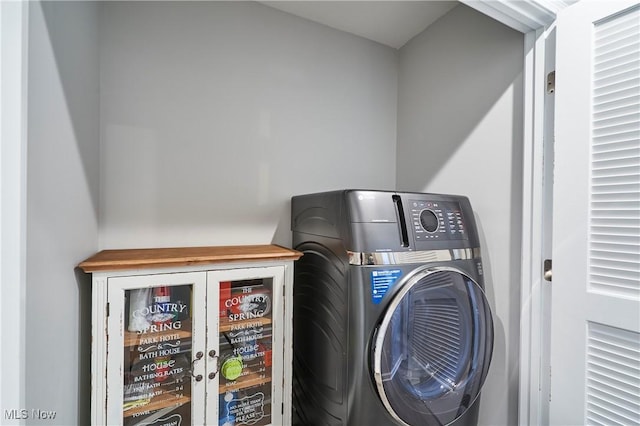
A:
13, 161
460, 132
213, 114
62, 197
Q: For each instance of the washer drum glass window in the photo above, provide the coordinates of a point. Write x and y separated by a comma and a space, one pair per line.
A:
433, 348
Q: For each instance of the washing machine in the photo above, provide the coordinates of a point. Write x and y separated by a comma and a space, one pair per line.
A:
390, 321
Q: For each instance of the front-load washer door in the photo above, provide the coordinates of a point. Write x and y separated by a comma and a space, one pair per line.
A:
433, 347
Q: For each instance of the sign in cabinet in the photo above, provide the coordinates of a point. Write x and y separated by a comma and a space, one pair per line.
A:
192, 336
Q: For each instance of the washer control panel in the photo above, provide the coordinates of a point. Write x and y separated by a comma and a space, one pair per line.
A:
437, 220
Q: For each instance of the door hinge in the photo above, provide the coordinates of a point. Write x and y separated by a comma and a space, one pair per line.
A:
108, 309
548, 272
551, 82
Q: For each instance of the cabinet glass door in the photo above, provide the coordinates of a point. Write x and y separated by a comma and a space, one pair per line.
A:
249, 347
158, 351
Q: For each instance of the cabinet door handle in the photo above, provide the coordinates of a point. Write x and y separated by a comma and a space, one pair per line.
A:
214, 357
199, 356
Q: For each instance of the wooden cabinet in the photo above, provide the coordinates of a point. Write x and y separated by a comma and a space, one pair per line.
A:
192, 336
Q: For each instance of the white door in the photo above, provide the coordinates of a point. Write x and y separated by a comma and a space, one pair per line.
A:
595, 340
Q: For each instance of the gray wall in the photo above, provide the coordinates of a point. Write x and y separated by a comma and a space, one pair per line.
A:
213, 114
62, 196
460, 131
194, 123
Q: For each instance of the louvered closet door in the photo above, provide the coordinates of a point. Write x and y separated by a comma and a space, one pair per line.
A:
595, 336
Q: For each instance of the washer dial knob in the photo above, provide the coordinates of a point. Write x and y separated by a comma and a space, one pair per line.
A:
429, 220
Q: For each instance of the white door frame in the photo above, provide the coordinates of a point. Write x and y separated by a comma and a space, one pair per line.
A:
533, 289
13, 155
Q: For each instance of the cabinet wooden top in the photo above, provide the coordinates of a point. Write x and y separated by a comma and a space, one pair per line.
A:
118, 260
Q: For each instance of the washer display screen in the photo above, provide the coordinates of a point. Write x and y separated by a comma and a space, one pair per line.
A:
437, 220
